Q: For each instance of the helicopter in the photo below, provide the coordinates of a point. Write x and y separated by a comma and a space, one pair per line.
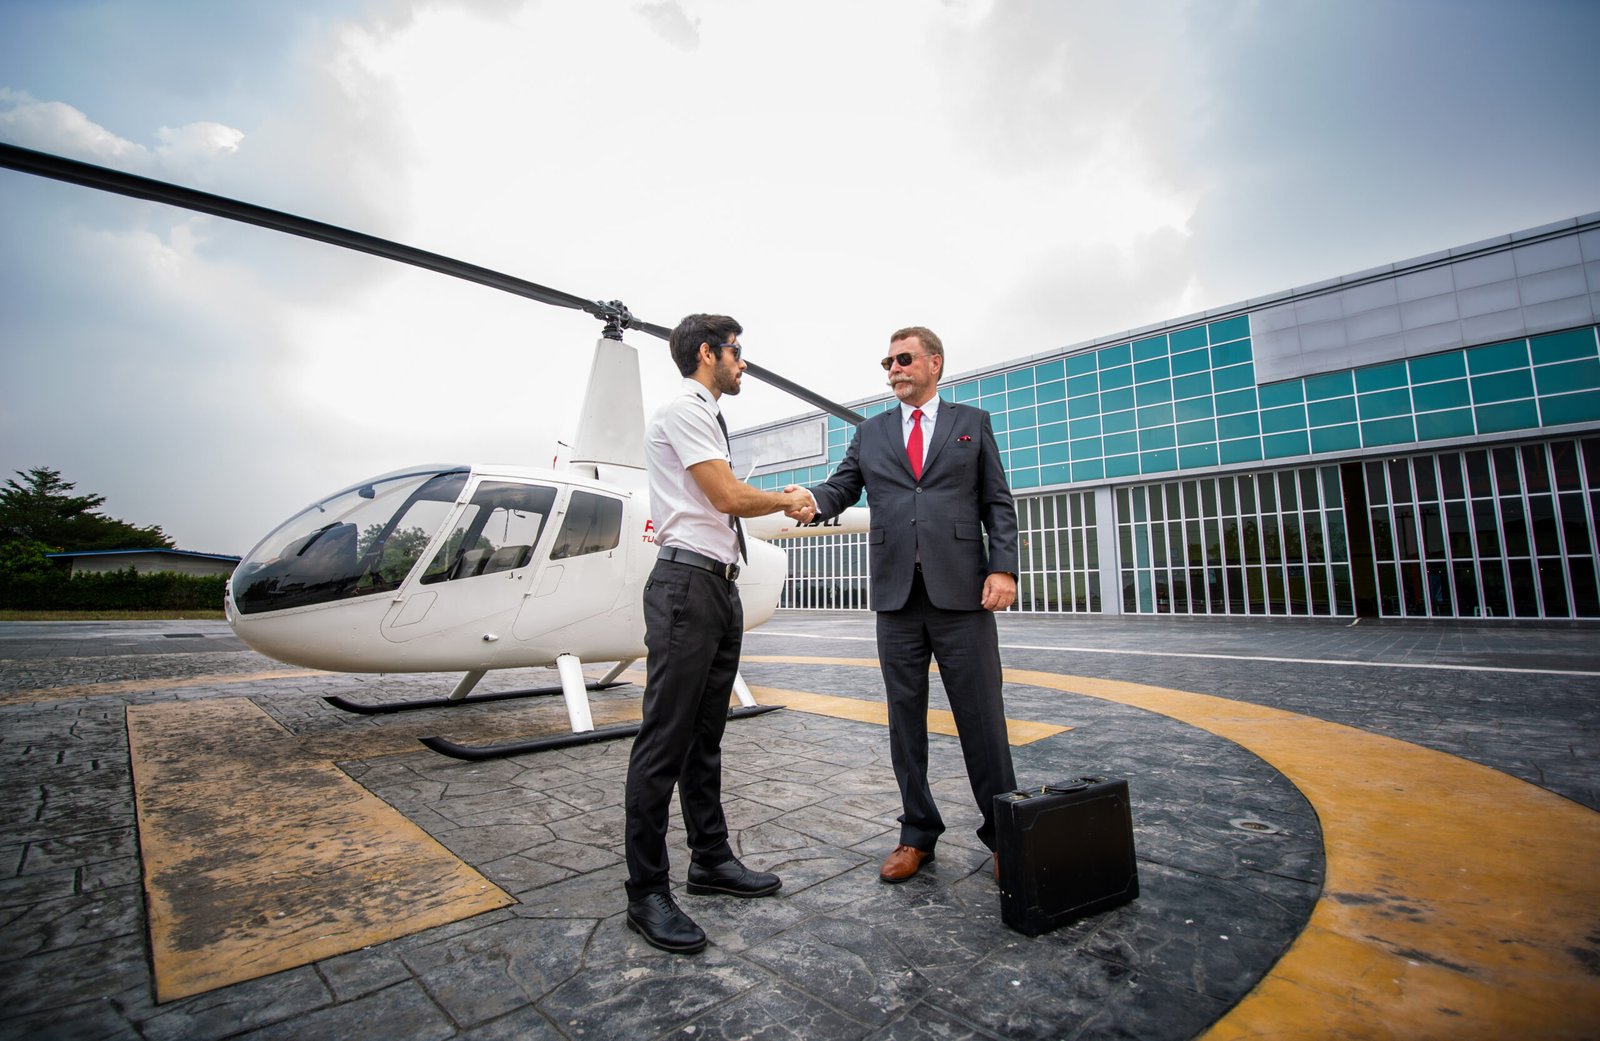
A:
471, 568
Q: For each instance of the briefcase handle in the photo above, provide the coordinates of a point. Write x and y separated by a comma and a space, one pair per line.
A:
1075, 784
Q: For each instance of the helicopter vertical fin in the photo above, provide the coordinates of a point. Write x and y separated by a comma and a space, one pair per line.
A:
610, 441
575, 690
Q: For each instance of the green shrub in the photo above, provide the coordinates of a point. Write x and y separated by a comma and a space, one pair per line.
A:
60, 590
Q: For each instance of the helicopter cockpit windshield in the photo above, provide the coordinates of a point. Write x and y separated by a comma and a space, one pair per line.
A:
363, 540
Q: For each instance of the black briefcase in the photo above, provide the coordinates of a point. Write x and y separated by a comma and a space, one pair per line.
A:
1066, 851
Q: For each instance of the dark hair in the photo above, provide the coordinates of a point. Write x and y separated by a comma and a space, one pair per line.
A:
926, 335
695, 330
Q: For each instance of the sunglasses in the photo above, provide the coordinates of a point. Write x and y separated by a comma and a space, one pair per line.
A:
903, 359
736, 348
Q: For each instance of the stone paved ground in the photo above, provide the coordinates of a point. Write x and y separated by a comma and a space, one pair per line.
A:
838, 955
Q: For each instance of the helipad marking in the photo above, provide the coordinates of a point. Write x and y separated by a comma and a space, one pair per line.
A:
259, 856
1459, 902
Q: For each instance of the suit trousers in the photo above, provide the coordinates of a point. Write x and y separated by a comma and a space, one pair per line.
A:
966, 644
694, 627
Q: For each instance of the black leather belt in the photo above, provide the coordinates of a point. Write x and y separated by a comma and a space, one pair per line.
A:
705, 563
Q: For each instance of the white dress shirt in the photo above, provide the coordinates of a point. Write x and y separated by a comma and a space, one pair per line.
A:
930, 415
684, 432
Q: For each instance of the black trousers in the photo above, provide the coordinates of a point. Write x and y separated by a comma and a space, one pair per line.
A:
966, 644
693, 630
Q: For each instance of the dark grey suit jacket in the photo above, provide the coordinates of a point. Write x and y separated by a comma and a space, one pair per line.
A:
941, 518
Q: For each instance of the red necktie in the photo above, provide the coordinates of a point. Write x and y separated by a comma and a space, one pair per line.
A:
914, 444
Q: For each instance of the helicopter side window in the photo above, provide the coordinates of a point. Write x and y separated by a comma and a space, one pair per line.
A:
496, 532
593, 525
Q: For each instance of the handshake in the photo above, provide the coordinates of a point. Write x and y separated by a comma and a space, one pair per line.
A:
798, 504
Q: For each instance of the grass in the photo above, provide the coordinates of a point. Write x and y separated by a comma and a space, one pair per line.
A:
196, 614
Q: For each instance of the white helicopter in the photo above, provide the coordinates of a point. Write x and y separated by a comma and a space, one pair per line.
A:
472, 568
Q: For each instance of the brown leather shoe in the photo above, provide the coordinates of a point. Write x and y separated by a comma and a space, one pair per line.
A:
997, 866
904, 862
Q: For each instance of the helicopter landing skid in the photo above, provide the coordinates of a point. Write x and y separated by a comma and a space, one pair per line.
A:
341, 702
475, 753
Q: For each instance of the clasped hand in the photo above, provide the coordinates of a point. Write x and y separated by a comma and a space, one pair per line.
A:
797, 504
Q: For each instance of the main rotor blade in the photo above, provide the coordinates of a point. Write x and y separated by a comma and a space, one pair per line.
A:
119, 182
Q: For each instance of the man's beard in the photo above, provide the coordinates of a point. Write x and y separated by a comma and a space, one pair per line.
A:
727, 384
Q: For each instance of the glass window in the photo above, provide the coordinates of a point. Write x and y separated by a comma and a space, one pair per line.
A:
593, 524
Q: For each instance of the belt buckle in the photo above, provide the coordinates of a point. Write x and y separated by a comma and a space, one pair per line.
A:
730, 571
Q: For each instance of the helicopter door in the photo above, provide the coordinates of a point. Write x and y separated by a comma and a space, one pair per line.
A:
585, 572
483, 566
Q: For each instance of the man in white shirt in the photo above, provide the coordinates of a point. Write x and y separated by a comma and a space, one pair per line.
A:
694, 627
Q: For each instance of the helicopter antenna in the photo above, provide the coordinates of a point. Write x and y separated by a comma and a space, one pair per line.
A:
613, 313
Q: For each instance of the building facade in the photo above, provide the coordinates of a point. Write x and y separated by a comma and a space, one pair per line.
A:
1420, 440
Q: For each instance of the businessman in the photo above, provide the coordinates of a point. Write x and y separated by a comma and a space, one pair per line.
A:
935, 485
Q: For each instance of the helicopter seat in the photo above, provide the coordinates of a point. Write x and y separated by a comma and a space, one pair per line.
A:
508, 558
469, 563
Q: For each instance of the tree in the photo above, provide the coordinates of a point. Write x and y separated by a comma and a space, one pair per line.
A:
43, 510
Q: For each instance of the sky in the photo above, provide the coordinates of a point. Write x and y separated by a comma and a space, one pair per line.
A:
1018, 176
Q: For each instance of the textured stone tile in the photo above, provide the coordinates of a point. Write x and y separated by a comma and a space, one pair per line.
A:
401, 1011
95, 1020
362, 972
525, 1024
649, 996
775, 1012
867, 980
478, 976
244, 1006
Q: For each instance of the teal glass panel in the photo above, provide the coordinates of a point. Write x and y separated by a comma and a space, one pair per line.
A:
1275, 446
1052, 412
1272, 395
1244, 450
1122, 466
1571, 408
1431, 397
1053, 391
1018, 378
1448, 366
1502, 386
1079, 385
1082, 364
1088, 470
967, 391
1330, 385
1154, 416
1153, 393
1024, 456
1050, 370
1121, 444
1022, 417
1567, 346
999, 422
1157, 437
1244, 425
1081, 428
1151, 347
1002, 440
1154, 369
1192, 386
1327, 413
1116, 422
1190, 362
1022, 397
1026, 437
1381, 377
836, 454
1118, 376
1183, 339
1498, 357
1116, 400
1230, 354
1059, 473
1234, 377
1049, 432
992, 385
1388, 431
1336, 439
1194, 408
1158, 462
1384, 403
1571, 375
1194, 456
1238, 401
1111, 357
1453, 423
1024, 477
1277, 420
1232, 329
1194, 433
1056, 453
1087, 448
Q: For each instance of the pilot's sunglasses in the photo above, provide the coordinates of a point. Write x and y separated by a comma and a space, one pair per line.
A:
736, 348
904, 359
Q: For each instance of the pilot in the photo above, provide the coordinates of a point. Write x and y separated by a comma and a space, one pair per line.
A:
694, 627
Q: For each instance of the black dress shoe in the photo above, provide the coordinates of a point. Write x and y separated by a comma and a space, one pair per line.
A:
733, 878
663, 925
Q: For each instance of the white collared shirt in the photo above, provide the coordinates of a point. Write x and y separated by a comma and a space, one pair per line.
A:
684, 432
930, 416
